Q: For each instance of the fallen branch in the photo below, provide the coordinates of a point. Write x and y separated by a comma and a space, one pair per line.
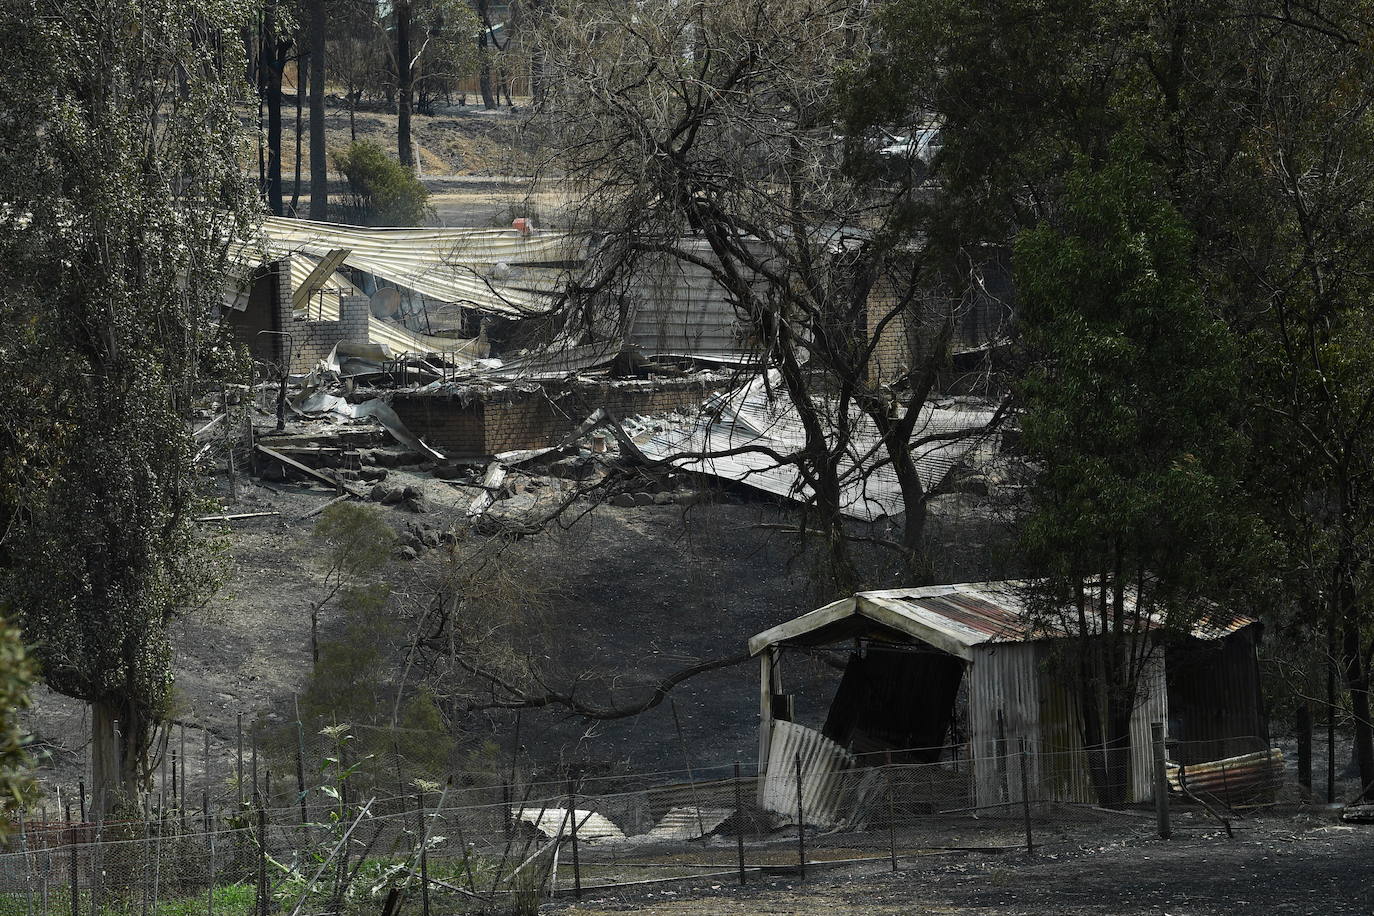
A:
521, 699
232, 518
320, 508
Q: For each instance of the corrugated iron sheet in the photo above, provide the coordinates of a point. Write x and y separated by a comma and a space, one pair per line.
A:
759, 416
465, 266
684, 310
1011, 699
1233, 780
551, 822
825, 795
688, 823
557, 361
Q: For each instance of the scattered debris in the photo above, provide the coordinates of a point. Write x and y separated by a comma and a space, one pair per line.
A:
309, 471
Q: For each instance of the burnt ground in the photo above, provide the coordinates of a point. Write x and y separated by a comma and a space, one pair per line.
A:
627, 596
1294, 864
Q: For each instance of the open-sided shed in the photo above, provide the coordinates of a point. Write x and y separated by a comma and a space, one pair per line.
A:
913, 649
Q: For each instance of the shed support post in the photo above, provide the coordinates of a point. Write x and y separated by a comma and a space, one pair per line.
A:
766, 663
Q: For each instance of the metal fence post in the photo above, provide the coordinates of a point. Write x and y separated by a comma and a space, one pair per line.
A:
801, 818
1161, 780
73, 872
739, 824
577, 868
1025, 799
424, 852
264, 891
24, 851
209, 854
891, 821
239, 770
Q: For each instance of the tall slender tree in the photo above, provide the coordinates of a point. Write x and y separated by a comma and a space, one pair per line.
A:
122, 188
319, 164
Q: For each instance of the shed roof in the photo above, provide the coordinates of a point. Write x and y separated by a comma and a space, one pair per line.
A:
953, 618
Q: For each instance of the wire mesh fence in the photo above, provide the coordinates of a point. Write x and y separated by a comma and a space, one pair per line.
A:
359, 838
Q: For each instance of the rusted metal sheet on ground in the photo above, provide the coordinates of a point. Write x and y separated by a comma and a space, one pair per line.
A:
824, 765
1246, 778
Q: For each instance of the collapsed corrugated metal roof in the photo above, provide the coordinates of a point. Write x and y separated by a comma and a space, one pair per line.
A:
954, 618
477, 268
556, 822
759, 416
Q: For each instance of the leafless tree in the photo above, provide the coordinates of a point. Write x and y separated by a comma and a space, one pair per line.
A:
704, 136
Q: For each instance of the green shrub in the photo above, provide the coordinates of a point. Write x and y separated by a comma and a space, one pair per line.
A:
384, 192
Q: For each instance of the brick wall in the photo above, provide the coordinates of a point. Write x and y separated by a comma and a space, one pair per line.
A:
268, 309
312, 341
891, 357
445, 422
493, 421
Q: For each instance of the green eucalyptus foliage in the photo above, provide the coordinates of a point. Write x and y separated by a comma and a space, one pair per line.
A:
384, 192
1131, 410
16, 675
121, 193
1138, 520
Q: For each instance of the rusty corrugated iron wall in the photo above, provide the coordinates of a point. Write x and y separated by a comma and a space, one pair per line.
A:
1216, 708
1015, 693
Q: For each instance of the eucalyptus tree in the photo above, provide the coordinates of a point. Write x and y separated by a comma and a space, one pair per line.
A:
122, 186
705, 137
1255, 115
424, 32
1131, 415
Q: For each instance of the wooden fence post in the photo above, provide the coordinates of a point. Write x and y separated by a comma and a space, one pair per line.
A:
1161, 780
